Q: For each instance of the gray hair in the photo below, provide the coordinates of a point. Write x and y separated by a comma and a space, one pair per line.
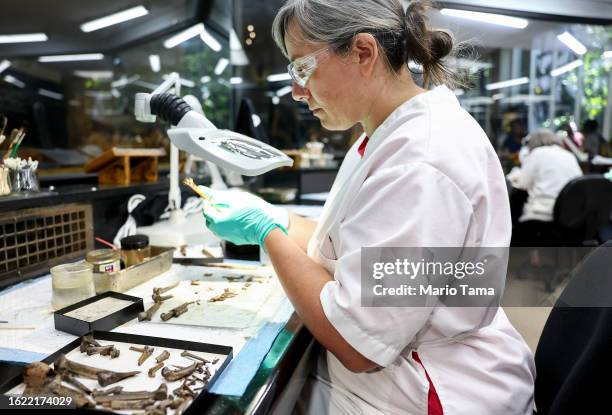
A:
402, 36
542, 137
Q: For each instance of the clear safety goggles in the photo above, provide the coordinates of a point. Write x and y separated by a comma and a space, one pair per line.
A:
302, 68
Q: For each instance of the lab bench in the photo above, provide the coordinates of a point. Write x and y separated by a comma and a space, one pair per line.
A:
264, 388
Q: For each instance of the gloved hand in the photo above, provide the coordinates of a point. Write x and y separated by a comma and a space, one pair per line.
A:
240, 217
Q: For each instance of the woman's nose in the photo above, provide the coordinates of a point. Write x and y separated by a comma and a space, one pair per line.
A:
298, 93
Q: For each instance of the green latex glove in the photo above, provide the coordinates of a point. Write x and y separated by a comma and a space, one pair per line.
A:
237, 218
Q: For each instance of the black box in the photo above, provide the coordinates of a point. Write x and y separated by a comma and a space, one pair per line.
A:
199, 404
80, 327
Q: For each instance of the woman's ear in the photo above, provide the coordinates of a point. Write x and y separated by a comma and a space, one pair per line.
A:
365, 52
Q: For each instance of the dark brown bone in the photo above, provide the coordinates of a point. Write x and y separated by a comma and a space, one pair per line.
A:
38, 384
162, 356
175, 312
155, 368
109, 350
89, 372
108, 377
159, 394
185, 353
147, 315
109, 391
174, 375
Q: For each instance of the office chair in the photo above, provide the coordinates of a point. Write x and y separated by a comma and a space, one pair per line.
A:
574, 354
582, 210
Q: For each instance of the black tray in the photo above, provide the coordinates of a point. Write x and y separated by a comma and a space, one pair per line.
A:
198, 405
79, 327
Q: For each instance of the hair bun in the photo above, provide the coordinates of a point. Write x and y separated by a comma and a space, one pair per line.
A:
442, 44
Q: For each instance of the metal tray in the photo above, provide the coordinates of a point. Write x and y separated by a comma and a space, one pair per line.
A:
121, 281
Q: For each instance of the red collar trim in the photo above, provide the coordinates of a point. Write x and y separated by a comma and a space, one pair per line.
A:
363, 145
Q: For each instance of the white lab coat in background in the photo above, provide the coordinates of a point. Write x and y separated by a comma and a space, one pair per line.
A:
429, 177
544, 173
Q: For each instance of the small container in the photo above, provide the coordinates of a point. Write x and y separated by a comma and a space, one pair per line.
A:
135, 249
71, 283
104, 260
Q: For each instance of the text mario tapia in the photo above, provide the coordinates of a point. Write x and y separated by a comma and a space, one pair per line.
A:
453, 276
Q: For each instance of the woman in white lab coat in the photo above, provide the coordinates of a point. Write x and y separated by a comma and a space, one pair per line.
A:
423, 174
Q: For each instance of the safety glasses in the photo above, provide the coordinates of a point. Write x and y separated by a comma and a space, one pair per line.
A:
302, 68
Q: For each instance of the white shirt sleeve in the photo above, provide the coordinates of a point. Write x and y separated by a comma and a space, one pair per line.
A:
528, 171
403, 206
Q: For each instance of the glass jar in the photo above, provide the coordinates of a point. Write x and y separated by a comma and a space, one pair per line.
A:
104, 262
71, 283
135, 249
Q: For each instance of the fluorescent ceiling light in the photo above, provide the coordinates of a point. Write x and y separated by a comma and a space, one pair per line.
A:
114, 19
506, 84
572, 43
185, 35
210, 40
566, 68
607, 55
50, 94
185, 82
23, 38
4, 65
155, 63
94, 74
497, 97
221, 65
205, 79
12, 80
235, 80
70, 58
277, 77
284, 91
498, 19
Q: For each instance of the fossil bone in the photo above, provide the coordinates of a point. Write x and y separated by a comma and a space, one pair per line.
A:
142, 404
109, 391
161, 290
162, 356
109, 350
181, 408
174, 375
159, 298
146, 352
148, 314
108, 377
175, 312
155, 369
159, 394
185, 353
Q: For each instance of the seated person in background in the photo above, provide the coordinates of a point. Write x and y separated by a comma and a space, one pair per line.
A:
592, 138
513, 140
545, 171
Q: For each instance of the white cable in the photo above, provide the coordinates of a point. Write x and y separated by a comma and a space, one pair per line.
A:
129, 227
192, 205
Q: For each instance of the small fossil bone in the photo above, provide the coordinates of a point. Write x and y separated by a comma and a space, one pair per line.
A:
88, 341
108, 377
175, 312
181, 408
155, 369
109, 391
160, 298
69, 378
109, 350
146, 352
162, 356
90, 372
148, 314
227, 293
161, 290
174, 375
185, 353
159, 394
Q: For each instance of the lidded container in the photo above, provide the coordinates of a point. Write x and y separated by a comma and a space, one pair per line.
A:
135, 249
71, 283
104, 261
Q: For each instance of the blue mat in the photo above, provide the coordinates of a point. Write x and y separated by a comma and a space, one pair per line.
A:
19, 356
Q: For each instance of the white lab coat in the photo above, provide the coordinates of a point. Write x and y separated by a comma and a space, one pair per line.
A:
429, 177
544, 173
